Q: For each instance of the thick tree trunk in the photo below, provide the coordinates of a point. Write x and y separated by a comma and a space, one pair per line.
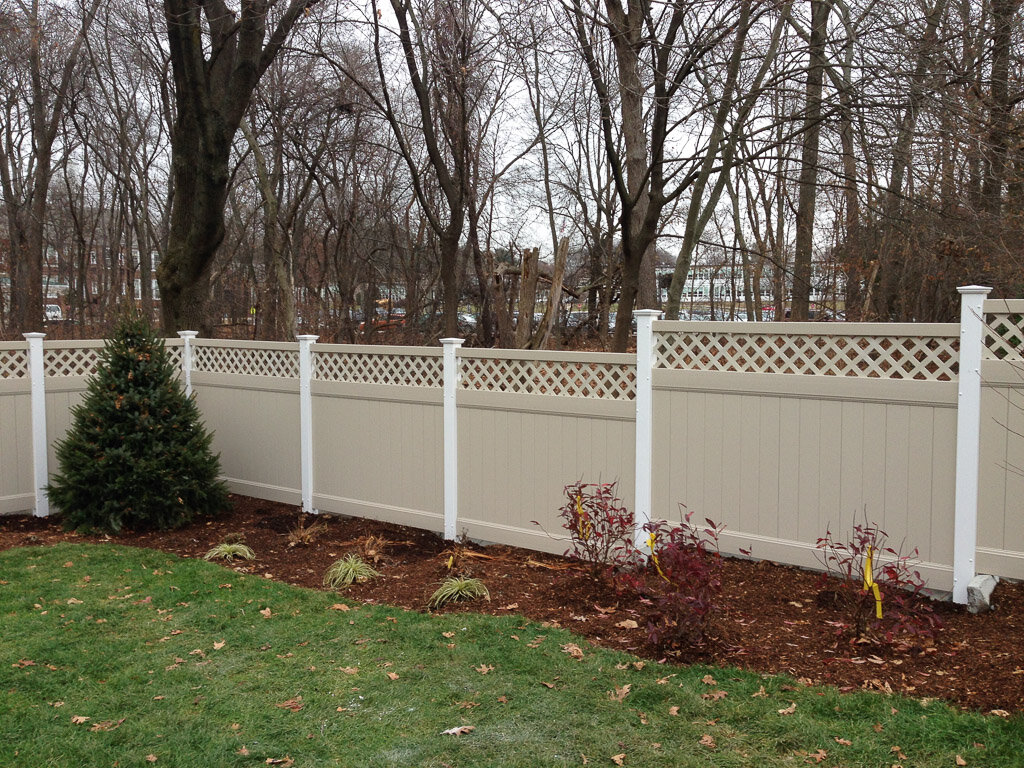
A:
808, 183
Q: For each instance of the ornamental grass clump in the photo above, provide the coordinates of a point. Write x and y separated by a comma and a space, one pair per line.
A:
137, 454
457, 588
229, 550
348, 571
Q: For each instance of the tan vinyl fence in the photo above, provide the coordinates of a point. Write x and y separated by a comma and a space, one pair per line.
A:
779, 431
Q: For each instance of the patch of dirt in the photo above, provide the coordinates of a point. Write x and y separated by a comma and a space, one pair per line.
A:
771, 618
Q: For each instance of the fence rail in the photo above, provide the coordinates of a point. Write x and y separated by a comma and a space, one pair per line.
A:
779, 431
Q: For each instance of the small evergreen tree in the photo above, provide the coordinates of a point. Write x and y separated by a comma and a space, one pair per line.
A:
137, 455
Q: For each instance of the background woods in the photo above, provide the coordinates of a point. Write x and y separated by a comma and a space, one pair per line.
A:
522, 175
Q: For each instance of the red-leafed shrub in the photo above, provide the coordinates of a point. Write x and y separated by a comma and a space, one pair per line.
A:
875, 585
686, 561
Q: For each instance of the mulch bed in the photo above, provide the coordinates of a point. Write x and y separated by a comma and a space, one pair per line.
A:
771, 619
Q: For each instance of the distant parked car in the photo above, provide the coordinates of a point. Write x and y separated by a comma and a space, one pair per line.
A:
53, 313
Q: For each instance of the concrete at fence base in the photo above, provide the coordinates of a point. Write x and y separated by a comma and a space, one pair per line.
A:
979, 593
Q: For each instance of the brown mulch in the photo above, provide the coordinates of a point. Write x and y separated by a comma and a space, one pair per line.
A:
770, 619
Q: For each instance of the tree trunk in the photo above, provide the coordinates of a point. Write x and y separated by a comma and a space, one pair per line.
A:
808, 183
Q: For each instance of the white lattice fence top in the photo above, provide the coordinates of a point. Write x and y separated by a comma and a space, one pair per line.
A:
373, 368
71, 361
576, 378
1004, 330
174, 354
928, 358
13, 364
247, 361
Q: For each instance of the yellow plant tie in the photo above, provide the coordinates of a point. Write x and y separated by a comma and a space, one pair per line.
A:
582, 522
869, 584
652, 540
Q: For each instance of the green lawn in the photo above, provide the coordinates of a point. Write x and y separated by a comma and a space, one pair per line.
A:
185, 663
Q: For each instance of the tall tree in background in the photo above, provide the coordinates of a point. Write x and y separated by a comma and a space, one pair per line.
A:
217, 57
40, 61
808, 184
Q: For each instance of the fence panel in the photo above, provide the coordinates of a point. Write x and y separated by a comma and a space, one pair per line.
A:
531, 423
16, 494
1000, 512
377, 434
248, 393
781, 437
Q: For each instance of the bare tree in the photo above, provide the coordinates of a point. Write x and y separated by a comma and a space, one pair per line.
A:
218, 55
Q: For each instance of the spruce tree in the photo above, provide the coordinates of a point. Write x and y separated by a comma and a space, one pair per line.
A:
137, 455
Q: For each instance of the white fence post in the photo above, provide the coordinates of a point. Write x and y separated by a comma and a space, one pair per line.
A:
40, 445
451, 438
186, 359
968, 437
644, 423
306, 418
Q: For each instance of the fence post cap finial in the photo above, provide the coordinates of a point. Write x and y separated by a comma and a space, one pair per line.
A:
188, 334
647, 313
307, 337
34, 335
968, 289
456, 342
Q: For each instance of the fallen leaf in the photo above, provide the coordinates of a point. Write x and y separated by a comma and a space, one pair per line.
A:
619, 759
573, 650
999, 712
606, 611
877, 727
74, 601
348, 670
709, 680
284, 762
151, 758
266, 614
714, 695
22, 663
107, 725
627, 624
761, 693
293, 704
468, 704
664, 680
674, 711
620, 693
79, 719
242, 751
898, 752
339, 607
158, 698
449, 635
844, 742
788, 710
57, 704
707, 740
459, 730
547, 684
960, 760
393, 675
817, 757
483, 669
